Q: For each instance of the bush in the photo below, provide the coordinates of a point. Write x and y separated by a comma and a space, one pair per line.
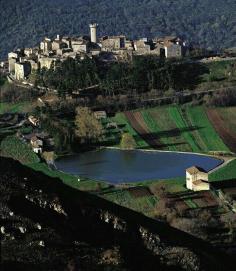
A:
226, 97
127, 142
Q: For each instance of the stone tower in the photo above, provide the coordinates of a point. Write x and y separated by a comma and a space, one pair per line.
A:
93, 32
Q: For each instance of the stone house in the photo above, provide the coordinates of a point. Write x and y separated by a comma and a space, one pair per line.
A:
34, 121
100, 115
36, 144
197, 179
142, 47
111, 43
22, 70
46, 62
170, 46
80, 45
46, 45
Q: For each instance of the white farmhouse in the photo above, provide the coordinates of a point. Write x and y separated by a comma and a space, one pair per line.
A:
197, 179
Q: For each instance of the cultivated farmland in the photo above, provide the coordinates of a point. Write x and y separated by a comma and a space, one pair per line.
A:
177, 128
224, 121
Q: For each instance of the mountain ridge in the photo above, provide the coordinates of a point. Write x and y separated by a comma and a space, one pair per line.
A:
210, 24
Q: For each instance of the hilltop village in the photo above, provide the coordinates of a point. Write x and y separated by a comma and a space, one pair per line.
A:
22, 62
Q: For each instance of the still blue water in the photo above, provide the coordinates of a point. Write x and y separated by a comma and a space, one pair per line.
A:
118, 166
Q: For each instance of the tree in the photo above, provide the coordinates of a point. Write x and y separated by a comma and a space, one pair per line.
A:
127, 141
88, 128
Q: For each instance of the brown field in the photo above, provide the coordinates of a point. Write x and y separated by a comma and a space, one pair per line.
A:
222, 127
205, 199
137, 122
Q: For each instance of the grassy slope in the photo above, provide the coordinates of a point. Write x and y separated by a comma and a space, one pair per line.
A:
225, 173
120, 119
182, 128
181, 123
71, 180
228, 114
206, 134
160, 122
13, 147
12, 108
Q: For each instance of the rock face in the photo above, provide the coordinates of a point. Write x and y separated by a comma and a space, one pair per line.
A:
54, 227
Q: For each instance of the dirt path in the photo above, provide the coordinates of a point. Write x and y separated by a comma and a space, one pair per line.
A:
228, 137
139, 125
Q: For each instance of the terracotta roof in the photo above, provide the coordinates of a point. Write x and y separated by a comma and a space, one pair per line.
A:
34, 138
198, 182
195, 169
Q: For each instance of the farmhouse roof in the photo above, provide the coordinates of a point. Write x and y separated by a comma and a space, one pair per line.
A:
34, 138
195, 169
199, 182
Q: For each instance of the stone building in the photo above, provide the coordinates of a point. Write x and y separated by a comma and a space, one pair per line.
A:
46, 45
113, 43
93, 32
80, 45
22, 70
28, 52
46, 62
13, 57
67, 40
142, 47
58, 44
197, 179
169, 46
36, 144
33, 64
11, 65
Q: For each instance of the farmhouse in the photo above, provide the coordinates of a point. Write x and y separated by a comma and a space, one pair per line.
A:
197, 179
33, 120
100, 114
36, 144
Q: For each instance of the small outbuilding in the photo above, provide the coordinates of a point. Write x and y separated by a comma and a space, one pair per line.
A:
37, 144
197, 179
100, 115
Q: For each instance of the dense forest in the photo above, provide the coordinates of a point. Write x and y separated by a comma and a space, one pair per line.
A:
210, 24
142, 75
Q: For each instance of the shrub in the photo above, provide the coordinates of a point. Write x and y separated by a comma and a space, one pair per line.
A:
127, 142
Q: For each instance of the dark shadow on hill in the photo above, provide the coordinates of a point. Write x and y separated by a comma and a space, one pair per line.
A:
231, 183
85, 221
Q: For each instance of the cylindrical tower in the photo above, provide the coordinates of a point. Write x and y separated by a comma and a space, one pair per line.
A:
93, 32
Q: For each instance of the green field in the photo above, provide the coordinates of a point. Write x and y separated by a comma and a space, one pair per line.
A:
228, 115
13, 107
13, 147
180, 128
71, 180
205, 134
122, 121
227, 172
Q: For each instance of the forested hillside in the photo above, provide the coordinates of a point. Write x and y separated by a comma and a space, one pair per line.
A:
209, 23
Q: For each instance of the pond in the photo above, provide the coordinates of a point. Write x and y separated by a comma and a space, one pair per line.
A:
121, 166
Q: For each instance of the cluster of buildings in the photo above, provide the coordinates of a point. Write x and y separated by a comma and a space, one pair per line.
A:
23, 62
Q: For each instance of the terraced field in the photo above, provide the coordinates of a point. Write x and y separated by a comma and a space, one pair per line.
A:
224, 121
125, 126
178, 128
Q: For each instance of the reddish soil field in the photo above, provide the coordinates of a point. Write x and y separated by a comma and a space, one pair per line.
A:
228, 137
205, 199
181, 206
139, 125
